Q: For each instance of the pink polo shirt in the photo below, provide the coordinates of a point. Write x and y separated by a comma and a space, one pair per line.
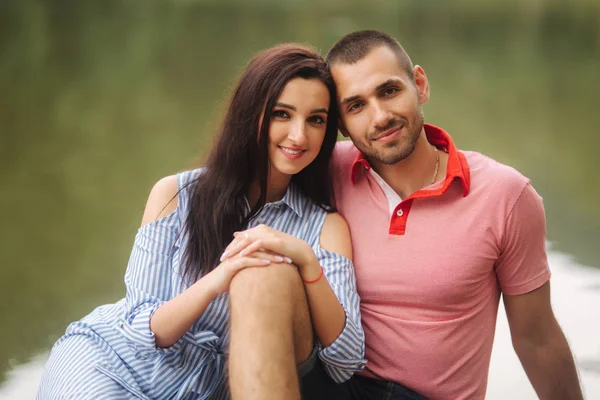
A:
430, 275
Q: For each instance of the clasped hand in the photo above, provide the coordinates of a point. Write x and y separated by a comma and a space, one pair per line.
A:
261, 246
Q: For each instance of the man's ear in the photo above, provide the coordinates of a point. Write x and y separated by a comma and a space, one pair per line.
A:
421, 83
342, 128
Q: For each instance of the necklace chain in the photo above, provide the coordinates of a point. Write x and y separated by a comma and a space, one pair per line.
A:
437, 164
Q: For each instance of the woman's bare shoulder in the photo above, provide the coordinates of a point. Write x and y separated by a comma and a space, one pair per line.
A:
162, 200
335, 235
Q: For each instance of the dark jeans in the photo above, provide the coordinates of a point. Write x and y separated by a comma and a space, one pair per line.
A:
317, 385
363, 388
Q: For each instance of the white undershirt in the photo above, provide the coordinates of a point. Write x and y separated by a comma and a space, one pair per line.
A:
392, 197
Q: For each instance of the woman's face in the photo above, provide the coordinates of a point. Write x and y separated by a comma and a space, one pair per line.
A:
298, 124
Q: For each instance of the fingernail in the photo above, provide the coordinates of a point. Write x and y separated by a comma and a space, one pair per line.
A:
223, 255
235, 234
279, 259
288, 260
266, 262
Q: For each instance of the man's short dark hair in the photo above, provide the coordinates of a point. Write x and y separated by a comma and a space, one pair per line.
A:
355, 46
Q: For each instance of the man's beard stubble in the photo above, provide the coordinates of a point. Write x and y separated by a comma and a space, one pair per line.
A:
397, 150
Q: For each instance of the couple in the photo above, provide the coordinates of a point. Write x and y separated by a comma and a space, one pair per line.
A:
242, 284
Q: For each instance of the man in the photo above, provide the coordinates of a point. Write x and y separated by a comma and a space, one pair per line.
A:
438, 234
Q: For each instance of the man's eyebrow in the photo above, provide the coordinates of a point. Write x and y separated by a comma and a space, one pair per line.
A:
283, 105
349, 99
391, 81
387, 83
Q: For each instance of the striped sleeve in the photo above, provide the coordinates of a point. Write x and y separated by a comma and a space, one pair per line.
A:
149, 283
346, 354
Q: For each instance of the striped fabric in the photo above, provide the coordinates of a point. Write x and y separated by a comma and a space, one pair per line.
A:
111, 353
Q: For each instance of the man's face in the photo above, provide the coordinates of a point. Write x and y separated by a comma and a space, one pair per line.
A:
380, 106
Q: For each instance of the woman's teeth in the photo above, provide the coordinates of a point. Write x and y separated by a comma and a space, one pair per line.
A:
290, 151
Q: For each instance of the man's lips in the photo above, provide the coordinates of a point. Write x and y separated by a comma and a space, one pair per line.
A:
389, 134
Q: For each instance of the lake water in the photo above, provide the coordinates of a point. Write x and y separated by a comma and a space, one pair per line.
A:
100, 99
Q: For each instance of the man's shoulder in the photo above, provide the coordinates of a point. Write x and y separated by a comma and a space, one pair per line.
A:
344, 153
493, 174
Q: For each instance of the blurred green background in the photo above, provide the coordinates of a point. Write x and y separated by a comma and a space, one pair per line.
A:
99, 99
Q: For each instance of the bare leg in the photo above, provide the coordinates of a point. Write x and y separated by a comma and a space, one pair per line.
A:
271, 333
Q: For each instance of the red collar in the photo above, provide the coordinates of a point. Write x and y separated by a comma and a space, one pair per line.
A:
458, 168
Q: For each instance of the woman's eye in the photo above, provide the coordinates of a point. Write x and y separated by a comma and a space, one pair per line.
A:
280, 114
316, 119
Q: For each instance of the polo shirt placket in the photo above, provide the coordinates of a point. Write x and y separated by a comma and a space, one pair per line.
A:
458, 168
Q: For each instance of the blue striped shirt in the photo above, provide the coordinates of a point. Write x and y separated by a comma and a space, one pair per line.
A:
195, 365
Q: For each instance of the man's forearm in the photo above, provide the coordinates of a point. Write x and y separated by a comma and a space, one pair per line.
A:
550, 366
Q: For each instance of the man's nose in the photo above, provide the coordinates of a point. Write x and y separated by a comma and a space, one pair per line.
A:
381, 115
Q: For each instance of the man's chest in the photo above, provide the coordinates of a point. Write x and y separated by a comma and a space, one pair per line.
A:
444, 263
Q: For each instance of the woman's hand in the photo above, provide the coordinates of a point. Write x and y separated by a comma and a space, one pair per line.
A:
266, 240
221, 276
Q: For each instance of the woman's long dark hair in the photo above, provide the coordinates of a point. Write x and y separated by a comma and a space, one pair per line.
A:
217, 206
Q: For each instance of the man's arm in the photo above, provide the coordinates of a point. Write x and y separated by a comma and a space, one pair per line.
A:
541, 345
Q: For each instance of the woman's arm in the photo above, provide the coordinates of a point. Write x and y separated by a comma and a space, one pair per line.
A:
327, 313
173, 318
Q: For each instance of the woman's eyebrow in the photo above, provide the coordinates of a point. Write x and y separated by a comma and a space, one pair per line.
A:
290, 107
283, 105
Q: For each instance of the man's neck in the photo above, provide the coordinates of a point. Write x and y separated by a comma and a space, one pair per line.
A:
414, 172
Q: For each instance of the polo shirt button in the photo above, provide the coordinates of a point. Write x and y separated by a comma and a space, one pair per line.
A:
400, 213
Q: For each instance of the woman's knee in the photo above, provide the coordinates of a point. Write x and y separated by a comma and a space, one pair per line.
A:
266, 284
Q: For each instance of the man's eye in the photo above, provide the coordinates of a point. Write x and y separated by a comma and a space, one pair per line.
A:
354, 107
390, 91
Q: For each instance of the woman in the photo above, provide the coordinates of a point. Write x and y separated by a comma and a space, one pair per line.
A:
267, 177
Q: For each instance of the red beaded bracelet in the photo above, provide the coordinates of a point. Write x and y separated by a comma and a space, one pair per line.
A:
315, 280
